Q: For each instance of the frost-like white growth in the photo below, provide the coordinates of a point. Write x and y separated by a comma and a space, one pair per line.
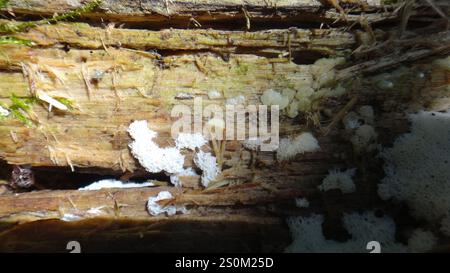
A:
302, 202
307, 235
184, 96
95, 211
139, 129
154, 208
366, 112
4, 112
214, 94
238, 100
289, 148
417, 167
421, 241
190, 141
351, 121
368, 227
171, 160
364, 138
363, 228
77, 215
175, 178
112, 183
208, 164
270, 97
69, 217
153, 158
339, 180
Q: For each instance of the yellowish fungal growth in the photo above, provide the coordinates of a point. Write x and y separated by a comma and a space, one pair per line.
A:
271, 97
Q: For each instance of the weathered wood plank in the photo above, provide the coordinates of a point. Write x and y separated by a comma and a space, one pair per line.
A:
208, 12
164, 235
326, 42
118, 99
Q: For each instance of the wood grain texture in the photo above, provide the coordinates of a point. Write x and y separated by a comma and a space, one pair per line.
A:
163, 13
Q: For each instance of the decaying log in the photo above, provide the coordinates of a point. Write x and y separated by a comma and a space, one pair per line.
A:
130, 203
237, 234
232, 13
102, 215
207, 13
435, 45
134, 85
107, 213
324, 42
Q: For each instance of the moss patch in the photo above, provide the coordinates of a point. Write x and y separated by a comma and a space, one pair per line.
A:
7, 40
14, 27
20, 109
